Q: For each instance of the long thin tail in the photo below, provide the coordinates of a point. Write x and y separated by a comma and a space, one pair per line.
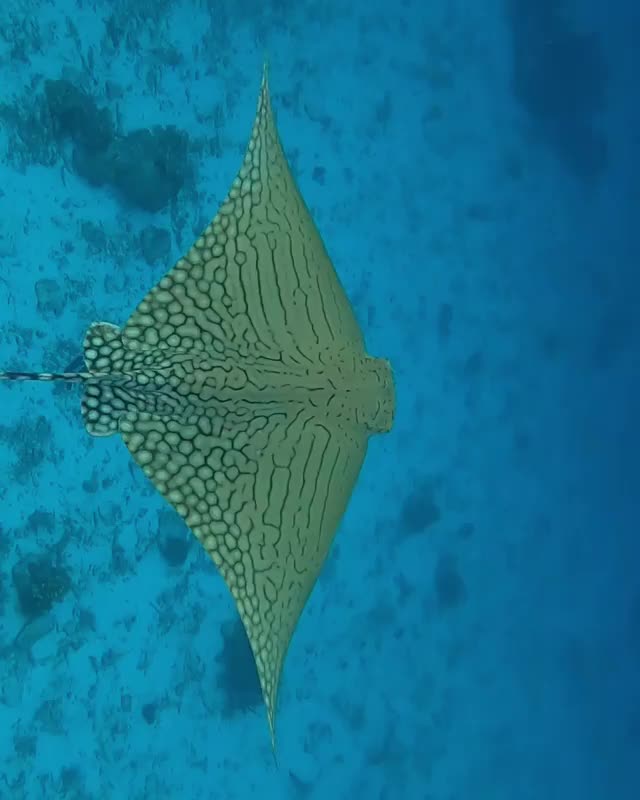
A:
69, 377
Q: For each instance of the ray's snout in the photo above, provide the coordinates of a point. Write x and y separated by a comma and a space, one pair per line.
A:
381, 390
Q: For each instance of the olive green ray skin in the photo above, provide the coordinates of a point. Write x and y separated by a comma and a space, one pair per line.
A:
242, 388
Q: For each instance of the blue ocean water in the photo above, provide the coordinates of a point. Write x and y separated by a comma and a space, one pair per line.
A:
473, 171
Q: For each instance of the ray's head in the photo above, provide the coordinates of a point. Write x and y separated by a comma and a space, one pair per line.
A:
382, 393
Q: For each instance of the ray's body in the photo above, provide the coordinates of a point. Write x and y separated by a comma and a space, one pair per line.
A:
242, 388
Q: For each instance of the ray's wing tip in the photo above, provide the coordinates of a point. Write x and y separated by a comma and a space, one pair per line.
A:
272, 736
264, 84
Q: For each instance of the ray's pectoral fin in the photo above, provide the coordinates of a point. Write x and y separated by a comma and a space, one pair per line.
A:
258, 281
264, 495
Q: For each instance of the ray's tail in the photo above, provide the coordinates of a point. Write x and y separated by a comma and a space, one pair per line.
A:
69, 377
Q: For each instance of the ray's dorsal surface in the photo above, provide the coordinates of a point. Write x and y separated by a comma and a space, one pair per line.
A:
242, 388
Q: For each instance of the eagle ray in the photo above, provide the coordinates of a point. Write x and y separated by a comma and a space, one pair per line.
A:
242, 388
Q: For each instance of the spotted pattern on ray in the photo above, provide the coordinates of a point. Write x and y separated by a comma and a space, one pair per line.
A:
242, 388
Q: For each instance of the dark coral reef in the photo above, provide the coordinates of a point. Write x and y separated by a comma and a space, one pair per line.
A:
39, 583
147, 166
560, 77
237, 676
